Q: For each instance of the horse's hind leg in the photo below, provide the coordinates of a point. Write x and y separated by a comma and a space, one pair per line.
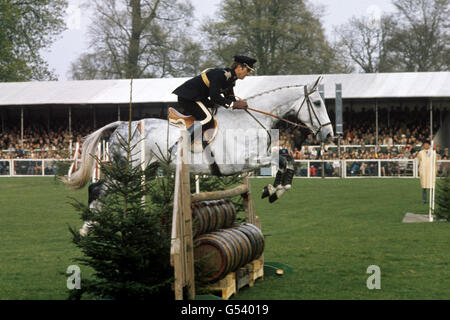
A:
95, 192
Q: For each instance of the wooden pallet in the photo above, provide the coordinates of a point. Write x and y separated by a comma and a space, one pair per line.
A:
242, 277
226, 286
256, 268
234, 281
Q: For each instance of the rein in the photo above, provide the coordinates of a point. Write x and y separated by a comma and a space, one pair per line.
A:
311, 112
277, 117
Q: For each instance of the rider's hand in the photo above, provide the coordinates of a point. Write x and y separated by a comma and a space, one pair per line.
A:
240, 104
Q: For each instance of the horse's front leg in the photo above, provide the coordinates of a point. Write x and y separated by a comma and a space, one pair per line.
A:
269, 190
283, 180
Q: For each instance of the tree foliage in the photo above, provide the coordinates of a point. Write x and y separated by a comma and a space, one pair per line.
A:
27, 27
284, 36
414, 38
443, 198
139, 39
421, 39
363, 42
128, 244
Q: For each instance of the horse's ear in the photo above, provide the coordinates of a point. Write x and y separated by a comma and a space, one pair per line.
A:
318, 81
316, 84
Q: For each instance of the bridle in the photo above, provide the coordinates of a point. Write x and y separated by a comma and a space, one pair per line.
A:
309, 104
311, 110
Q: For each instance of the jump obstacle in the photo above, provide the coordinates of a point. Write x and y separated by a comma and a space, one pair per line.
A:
203, 227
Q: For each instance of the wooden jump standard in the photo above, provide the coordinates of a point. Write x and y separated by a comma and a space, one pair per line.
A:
182, 244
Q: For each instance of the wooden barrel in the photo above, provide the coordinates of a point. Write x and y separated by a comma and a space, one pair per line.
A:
255, 236
230, 211
226, 250
244, 245
220, 214
212, 215
216, 254
200, 218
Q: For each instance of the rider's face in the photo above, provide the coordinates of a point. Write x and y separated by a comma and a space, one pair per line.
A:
242, 72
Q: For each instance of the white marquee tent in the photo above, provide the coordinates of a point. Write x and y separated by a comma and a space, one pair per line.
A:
354, 86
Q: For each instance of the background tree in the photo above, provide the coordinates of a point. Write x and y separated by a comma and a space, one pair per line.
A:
421, 39
414, 38
443, 198
137, 38
27, 27
362, 41
284, 36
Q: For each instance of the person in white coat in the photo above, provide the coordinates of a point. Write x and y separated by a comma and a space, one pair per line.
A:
427, 158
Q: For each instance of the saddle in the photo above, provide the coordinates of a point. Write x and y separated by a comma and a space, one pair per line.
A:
182, 121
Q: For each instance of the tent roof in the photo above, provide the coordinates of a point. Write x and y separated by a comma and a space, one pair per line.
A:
354, 86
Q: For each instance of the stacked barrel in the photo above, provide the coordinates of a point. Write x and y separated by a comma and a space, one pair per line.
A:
221, 246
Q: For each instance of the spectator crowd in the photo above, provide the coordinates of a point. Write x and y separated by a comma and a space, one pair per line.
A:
401, 139
39, 143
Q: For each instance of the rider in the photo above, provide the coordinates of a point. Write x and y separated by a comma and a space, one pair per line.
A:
201, 95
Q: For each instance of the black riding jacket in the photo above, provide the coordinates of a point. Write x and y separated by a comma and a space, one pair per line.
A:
220, 90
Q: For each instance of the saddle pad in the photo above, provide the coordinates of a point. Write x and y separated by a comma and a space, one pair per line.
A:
182, 121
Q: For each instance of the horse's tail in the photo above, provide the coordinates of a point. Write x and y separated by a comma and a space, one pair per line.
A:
82, 176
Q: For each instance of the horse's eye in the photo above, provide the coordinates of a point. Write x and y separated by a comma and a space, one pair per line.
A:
317, 103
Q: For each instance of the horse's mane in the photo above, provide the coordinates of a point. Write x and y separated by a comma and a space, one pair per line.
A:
276, 89
273, 90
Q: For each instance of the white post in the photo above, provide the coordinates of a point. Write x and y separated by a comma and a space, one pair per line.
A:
379, 168
308, 167
433, 170
431, 204
197, 183
96, 173
107, 152
143, 159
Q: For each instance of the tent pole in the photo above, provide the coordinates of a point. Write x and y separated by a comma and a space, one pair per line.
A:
376, 127
21, 126
431, 202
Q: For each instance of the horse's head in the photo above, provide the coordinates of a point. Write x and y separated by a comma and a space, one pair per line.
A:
310, 109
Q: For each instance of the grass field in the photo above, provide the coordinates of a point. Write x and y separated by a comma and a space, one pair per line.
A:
327, 231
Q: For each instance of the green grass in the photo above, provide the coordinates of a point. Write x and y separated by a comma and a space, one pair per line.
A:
328, 231
36, 247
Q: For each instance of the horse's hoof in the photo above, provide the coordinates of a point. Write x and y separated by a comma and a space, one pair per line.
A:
265, 193
273, 198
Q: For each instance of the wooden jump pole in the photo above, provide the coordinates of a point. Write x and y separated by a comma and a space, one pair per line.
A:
182, 246
214, 195
182, 243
